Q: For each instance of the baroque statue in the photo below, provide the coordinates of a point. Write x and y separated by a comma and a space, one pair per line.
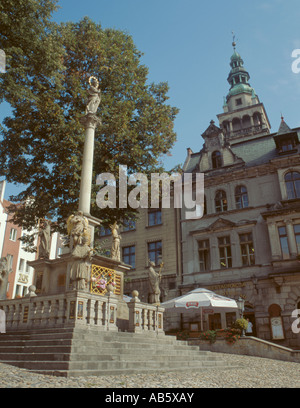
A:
115, 249
78, 230
80, 239
4, 272
94, 96
154, 283
45, 239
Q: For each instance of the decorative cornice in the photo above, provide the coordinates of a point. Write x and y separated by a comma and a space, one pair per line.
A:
90, 120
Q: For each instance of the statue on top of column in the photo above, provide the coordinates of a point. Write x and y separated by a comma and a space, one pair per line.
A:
94, 96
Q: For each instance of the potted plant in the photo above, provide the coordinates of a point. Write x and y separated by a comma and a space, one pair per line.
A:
209, 335
241, 324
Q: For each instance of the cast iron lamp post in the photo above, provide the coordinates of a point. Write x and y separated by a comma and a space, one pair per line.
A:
241, 306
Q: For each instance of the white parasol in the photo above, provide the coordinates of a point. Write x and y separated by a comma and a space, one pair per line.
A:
199, 298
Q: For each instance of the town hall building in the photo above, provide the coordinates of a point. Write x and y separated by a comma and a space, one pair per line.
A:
248, 241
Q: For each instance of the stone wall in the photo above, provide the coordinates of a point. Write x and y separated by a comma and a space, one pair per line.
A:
250, 346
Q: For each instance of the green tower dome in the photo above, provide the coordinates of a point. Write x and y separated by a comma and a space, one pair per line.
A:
238, 76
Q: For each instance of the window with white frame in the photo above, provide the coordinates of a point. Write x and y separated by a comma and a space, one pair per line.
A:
292, 183
241, 197
155, 252
154, 216
128, 254
247, 249
285, 250
225, 252
10, 259
297, 236
13, 234
204, 255
21, 264
221, 201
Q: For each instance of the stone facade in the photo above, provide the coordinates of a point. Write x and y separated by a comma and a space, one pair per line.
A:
247, 243
156, 235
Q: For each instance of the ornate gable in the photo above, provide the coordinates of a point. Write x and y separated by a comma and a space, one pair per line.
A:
221, 224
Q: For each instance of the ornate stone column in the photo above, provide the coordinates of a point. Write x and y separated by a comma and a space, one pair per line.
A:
89, 121
274, 241
291, 238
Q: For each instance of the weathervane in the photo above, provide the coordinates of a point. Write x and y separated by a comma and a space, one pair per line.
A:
233, 40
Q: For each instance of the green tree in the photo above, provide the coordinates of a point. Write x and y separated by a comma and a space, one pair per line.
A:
42, 142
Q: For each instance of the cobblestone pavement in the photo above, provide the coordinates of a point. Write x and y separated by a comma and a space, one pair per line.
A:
255, 372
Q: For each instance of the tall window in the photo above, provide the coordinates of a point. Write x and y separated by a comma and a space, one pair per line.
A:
221, 201
104, 231
154, 216
21, 264
297, 236
13, 234
292, 182
241, 197
247, 249
10, 259
225, 252
216, 160
284, 243
129, 225
129, 255
204, 258
286, 145
155, 252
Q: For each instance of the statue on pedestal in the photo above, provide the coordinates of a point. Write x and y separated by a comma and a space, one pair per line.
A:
4, 272
78, 230
154, 284
94, 96
81, 251
45, 240
115, 249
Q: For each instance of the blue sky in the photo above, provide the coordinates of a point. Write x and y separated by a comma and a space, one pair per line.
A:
187, 43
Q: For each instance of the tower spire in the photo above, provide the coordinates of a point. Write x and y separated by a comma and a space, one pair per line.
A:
233, 40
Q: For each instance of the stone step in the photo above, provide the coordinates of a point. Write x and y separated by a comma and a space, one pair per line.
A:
126, 371
88, 336
113, 344
77, 352
58, 356
110, 365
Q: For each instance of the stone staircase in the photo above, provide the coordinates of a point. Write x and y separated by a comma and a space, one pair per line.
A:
72, 352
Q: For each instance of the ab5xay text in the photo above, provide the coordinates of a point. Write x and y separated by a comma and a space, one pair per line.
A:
154, 397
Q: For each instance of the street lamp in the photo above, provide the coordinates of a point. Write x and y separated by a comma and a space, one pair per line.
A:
241, 306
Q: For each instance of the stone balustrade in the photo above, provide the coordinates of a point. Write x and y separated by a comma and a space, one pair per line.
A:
79, 308
144, 317
62, 310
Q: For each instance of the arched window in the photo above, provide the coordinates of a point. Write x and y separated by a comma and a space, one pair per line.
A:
236, 124
257, 118
216, 159
246, 121
277, 331
241, 197
220, 201
225, 126
292, 183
